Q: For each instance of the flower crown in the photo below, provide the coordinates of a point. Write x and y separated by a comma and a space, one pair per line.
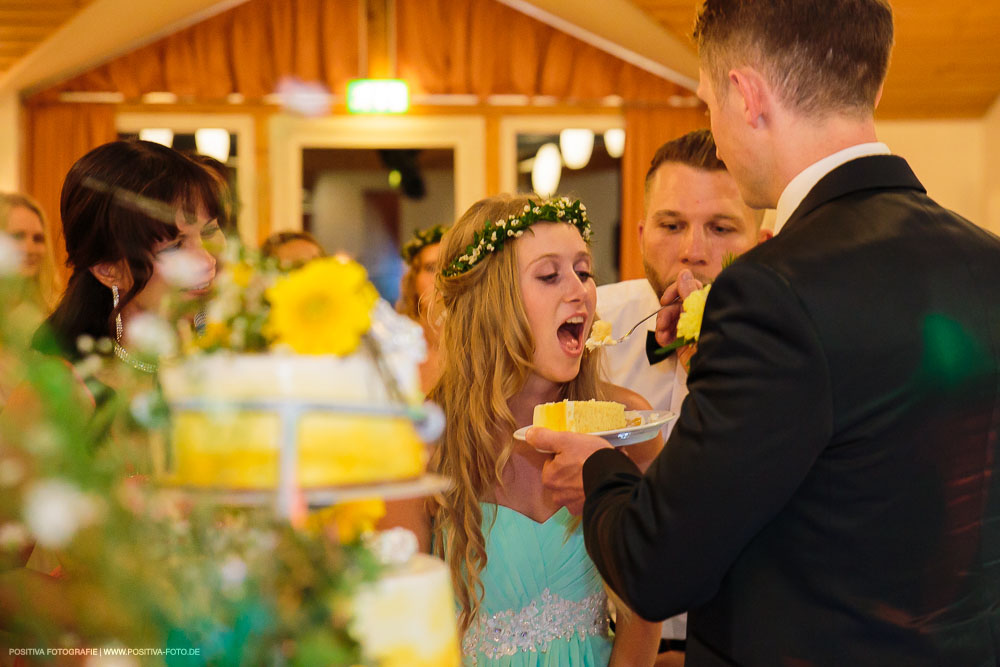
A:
495, 234
421, 239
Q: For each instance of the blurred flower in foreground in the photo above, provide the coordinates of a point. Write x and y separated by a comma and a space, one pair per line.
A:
348, 521
150, 336
308, 98
10, 256
55, 510
184, 269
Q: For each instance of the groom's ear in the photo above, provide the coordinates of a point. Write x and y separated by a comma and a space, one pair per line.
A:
753, 91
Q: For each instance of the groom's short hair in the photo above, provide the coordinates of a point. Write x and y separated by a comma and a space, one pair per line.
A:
819, 55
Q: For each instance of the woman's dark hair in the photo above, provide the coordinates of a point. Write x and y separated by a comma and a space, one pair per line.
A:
118, 201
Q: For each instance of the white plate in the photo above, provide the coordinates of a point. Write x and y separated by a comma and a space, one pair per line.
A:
642, 426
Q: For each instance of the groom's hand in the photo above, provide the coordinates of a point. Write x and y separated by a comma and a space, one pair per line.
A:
562, 475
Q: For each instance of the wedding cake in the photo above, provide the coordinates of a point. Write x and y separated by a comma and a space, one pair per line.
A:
312, 358
407, 617
348, 429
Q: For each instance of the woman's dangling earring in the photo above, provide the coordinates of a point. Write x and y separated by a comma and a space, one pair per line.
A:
118, 316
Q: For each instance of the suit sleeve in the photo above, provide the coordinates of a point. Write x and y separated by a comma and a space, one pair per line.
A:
757, 415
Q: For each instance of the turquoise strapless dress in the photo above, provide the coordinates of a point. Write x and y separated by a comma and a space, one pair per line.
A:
544, 603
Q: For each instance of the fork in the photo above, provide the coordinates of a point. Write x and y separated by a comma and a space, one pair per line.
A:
655, 312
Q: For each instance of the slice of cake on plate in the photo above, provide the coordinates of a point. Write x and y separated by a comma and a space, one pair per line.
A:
580, 416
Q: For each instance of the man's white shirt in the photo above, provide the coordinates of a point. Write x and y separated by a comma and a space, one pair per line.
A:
623, 304
662, 384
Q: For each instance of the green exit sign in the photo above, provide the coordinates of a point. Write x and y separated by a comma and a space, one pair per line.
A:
378, 96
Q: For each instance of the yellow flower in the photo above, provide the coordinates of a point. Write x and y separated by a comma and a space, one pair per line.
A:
216, 334
323, 308
242, 273
347, 520
689, 323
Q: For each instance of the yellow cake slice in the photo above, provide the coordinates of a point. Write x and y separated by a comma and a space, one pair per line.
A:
580, 416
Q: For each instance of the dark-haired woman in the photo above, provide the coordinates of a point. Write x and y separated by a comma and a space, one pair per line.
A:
129, 209
140, 221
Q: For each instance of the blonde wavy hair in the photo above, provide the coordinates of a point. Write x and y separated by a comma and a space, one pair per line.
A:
487, 350
47, 282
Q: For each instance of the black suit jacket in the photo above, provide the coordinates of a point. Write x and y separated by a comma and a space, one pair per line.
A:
830, 494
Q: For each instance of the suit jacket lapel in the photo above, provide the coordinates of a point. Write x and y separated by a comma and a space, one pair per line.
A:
875, 172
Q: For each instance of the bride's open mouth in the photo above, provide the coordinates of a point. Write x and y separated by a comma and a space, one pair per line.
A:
571, 334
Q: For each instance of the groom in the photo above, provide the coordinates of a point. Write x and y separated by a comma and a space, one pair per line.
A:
830, 494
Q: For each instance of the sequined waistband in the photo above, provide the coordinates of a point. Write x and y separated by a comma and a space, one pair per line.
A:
531, 628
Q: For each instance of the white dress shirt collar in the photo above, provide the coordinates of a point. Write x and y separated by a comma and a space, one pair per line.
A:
799, 187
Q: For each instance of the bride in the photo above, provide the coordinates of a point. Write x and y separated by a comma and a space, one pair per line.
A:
519, 298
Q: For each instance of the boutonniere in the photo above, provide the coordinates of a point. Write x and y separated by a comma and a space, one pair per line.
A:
692, 312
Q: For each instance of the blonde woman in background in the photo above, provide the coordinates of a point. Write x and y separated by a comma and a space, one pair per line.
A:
30, 299
22, 219
516, 314
417, 294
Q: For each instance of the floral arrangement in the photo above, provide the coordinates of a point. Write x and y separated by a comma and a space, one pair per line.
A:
324, 307
496, 233
132, 564
421, 239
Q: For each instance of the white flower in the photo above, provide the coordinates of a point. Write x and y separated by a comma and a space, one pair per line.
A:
582, 207
502, 224
233, 571
13, 536
85, 344
55, 510
527, 208
183, 268
560, 213
490, 247
510, 232
308, 98
150, 335
11, 255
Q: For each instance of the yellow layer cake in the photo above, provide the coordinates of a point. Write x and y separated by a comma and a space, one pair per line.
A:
580, 416
407, 617
225, 447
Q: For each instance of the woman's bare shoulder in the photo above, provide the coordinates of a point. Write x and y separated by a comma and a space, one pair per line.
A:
630, 399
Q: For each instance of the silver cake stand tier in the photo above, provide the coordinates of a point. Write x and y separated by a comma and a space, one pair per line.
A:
425, 485
288, 496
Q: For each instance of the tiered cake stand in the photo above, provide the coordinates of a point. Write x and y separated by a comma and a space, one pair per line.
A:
288, 496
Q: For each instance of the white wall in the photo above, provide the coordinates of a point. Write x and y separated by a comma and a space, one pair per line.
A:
949, 157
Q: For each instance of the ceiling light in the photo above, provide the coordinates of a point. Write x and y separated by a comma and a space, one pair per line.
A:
158, 135
546, 170
213, 142
614, 142
576, 146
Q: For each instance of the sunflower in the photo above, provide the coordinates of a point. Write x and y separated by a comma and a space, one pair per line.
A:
323, 308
